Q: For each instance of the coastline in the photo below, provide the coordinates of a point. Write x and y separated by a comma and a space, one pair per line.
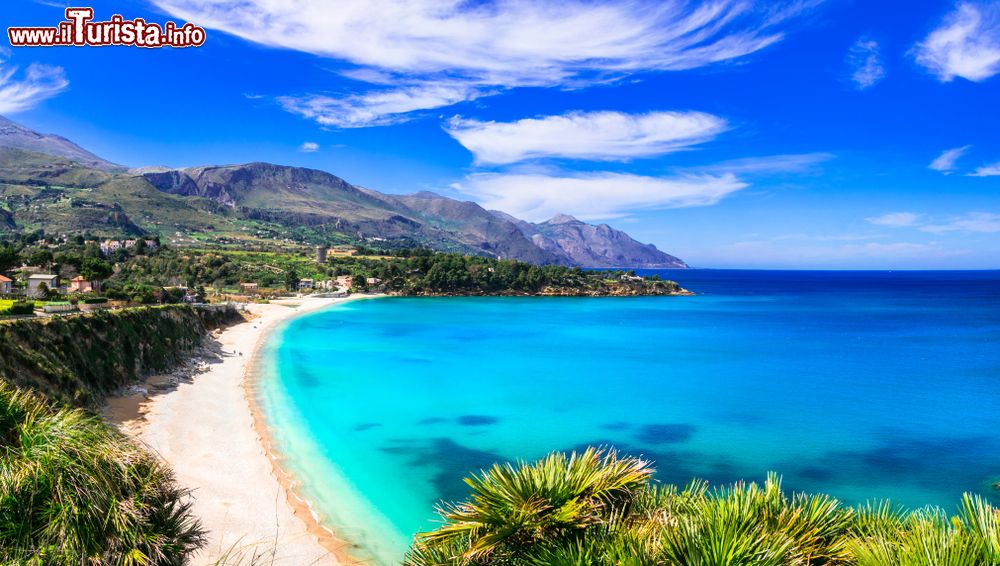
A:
204, 421
325, 536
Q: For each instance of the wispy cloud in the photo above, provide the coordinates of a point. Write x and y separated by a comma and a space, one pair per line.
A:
601, 136
877, 255
379, 107
967, 44
309, 147
981, 222
895, 250
896, 219
591, 196
826, 237
866, 63
769, 164
27, 90
989, 170
945, 162
486, 47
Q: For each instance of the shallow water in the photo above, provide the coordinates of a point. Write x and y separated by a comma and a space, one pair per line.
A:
860, 384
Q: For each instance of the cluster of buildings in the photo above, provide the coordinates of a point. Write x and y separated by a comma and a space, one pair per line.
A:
322, 252
341, 284
78, 284
110, 246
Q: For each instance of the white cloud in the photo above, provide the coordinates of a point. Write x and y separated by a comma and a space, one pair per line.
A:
770, 164
864, 58
495, 45
981, 222
38, 83
945, 162
309, 147
990, 170
377, 107
896, 219
590, 196
604, 136
967, 44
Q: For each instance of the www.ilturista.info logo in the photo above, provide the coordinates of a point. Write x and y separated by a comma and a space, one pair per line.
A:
80, 29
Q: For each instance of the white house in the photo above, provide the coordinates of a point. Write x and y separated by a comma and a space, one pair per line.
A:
6, 285
108, 246
35, 281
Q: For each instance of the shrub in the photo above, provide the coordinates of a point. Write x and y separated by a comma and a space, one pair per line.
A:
22, 307
75, 491
599, 509
11, 308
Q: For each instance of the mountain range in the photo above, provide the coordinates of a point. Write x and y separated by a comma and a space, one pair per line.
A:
48, 182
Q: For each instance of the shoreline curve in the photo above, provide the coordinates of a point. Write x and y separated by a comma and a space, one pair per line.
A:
204, 421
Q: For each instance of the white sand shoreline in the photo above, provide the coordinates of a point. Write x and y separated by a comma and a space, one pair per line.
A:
207, 430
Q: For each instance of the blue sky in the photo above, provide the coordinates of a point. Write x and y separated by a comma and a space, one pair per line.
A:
809, 133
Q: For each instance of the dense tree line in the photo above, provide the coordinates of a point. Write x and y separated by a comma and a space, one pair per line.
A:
147, 276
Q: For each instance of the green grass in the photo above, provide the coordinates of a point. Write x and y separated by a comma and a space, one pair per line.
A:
599, 509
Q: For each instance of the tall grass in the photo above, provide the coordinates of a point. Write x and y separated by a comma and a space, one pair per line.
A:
600, 509
75, 491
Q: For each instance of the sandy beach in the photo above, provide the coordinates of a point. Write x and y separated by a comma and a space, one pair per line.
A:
202, 422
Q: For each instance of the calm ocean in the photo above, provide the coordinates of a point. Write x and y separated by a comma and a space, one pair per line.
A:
860, 384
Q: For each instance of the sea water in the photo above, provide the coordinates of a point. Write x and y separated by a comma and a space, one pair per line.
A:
860, 384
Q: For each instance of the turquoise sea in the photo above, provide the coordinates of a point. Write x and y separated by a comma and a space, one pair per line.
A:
860, 384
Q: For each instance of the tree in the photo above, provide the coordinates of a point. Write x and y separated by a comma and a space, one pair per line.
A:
92, 268
9, 257
40, 258
92, 249
291, 279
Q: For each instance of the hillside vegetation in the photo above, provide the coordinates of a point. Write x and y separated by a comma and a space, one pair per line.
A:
79, 359
74, 491
599, 509
406, 272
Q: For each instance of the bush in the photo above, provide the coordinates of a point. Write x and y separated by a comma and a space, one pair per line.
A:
75, 491
599, 509
12, 308
22, 307
94, 300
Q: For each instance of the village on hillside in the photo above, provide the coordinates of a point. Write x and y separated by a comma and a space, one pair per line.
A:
47, 276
